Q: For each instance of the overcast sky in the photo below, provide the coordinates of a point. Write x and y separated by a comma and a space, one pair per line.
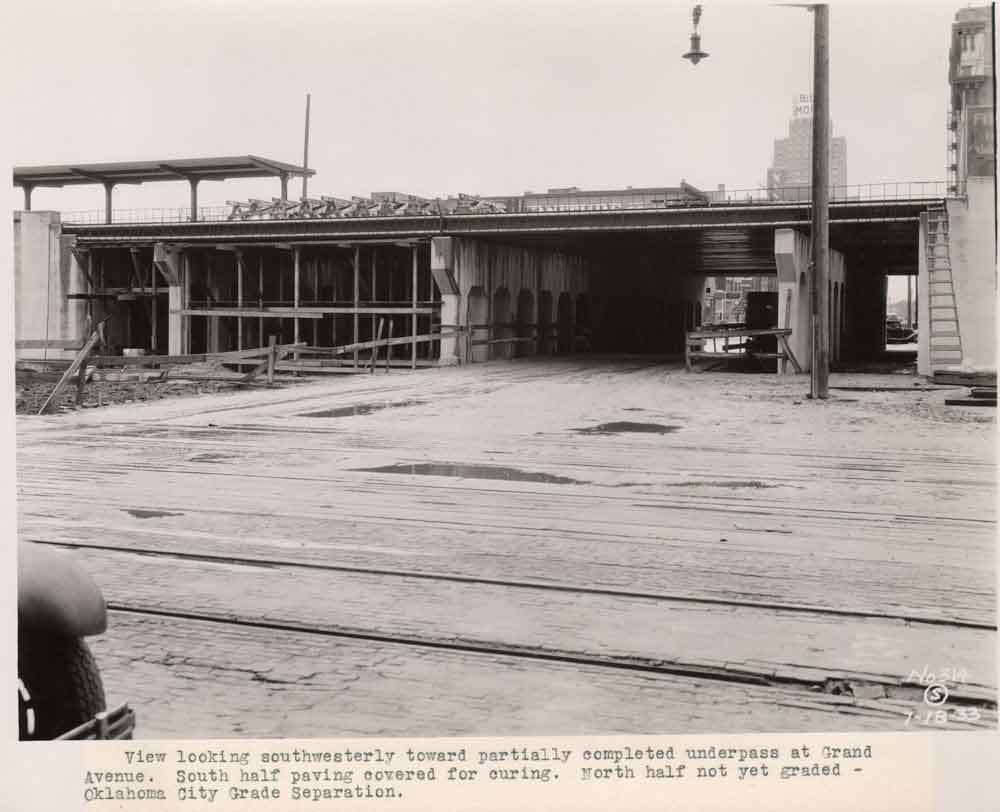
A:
490, 97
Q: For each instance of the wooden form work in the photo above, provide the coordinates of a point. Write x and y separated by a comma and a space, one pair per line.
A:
336, 292
365, 302
138, 369
266, 360
695, 341
76, 368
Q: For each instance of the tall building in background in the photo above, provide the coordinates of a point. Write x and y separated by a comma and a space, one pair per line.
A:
970, 73
790, 175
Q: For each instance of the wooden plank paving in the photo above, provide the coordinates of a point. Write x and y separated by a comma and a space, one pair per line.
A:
847, 539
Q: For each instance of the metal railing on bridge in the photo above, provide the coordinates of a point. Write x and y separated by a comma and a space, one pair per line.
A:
338, 208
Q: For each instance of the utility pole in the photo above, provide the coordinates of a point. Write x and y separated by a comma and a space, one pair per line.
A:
820, 294
819, 278
305, 152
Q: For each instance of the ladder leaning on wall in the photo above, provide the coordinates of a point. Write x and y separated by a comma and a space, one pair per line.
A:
945, 337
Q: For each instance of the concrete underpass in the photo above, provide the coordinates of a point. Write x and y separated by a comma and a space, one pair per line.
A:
469, 288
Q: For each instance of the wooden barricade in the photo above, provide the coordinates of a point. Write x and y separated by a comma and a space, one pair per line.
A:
695, 340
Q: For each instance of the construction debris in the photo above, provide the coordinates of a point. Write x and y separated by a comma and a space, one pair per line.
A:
382, 204
120, 379
74, 368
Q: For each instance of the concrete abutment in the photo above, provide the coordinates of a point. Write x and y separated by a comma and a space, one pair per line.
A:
792, 256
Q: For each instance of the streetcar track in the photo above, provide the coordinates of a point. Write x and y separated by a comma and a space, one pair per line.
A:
524, 584
632, 663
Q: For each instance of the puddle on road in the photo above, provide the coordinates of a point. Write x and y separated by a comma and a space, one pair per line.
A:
210, 458
361, 408
626, 426
472, 472
732, 483
140, 513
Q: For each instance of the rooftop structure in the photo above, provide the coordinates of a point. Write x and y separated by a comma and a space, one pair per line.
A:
193, 170
970, 74
572, 198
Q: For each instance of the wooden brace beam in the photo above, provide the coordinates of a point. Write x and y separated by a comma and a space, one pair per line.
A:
166, 263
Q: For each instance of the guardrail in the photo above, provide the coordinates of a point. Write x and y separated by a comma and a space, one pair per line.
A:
619, 201
93, 217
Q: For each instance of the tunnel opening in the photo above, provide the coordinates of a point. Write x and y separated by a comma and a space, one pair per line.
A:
901, 324
644, 290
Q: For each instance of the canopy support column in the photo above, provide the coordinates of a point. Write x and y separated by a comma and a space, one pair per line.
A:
194, 199
107, 201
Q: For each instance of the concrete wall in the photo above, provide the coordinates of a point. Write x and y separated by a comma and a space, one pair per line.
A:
483, 269
792, 255
47, 324
972, 250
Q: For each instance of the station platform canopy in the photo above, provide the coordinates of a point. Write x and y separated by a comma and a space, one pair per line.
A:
193, 170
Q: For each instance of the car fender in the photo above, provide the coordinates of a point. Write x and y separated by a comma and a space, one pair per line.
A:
55, 596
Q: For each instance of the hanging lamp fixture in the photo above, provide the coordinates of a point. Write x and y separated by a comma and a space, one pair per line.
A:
695, 54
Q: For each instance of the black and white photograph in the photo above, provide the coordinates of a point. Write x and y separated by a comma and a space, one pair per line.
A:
442, 369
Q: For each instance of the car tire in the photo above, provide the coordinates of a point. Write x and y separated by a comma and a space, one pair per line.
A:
59, 686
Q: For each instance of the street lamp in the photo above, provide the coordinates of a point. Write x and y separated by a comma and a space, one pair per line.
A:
695, 54
819, 295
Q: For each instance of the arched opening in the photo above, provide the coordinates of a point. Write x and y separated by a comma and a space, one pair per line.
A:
501, 323
477, 319
583, 332
565, 323
835, 323
544, 321
843, 313
525, 323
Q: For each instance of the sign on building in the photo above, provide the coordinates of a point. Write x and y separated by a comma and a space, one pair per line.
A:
802, 106
979, 157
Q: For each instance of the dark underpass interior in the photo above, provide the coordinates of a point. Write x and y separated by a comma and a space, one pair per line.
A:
646, 287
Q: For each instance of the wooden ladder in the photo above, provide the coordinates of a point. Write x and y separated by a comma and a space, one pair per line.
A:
945, 338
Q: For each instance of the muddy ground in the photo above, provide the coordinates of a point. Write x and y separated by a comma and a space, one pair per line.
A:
33, 387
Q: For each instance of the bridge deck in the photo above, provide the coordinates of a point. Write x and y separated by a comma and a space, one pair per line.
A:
893, 215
